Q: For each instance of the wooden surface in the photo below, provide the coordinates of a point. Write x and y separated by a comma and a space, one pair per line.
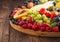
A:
7, 34
34, 33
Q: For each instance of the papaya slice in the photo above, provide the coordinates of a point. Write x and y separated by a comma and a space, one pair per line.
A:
21, 13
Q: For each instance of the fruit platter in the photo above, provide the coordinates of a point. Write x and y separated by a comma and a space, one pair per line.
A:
38, 18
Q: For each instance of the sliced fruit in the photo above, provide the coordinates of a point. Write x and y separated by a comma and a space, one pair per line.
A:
58, 4
19, 14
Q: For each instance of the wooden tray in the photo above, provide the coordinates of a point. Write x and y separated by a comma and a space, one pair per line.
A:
35, 33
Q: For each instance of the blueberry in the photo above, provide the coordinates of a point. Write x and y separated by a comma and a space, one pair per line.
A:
58, 17
30, 0
14, 21
25, 4
54, 3
24, 22
58, 25
58, 10
55, 19
36, 3
36, 0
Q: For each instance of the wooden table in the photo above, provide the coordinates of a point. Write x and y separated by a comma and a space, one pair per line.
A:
7, 34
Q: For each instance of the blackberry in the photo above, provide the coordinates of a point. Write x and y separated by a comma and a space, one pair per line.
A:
14, 21
25, 4
54, 3
19, 6
36, 2
55, 19
59, 25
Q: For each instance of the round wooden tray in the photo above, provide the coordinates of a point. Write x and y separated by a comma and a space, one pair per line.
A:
35, 33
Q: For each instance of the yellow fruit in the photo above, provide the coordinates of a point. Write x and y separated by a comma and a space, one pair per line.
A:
19, 14
58, 5
23, 17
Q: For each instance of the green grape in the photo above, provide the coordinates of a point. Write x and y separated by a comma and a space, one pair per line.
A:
45, 19
43, 16
37, 20
38, 17
40, 21
32, 15
43, 1
48, 21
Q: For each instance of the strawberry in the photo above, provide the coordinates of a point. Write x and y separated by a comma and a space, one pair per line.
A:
53, 15
29, 25
56, 29
24, 26
48, 29
42, 29
42, 11
48, 14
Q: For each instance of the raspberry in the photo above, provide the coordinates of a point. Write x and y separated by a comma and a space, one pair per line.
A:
24, 26
29, 25
20, 23
48, 29
19, 20
34, 27
30, 20
42, 29
42, 11
39, 25
45, 25
56, 29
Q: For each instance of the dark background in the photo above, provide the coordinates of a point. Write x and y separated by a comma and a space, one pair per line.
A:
7, 34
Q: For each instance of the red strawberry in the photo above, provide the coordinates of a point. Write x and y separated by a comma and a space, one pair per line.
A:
56, 29
24, 26
48, 29
48, 14
53, 15
42, 11
42, 29
29, 25
34, 27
